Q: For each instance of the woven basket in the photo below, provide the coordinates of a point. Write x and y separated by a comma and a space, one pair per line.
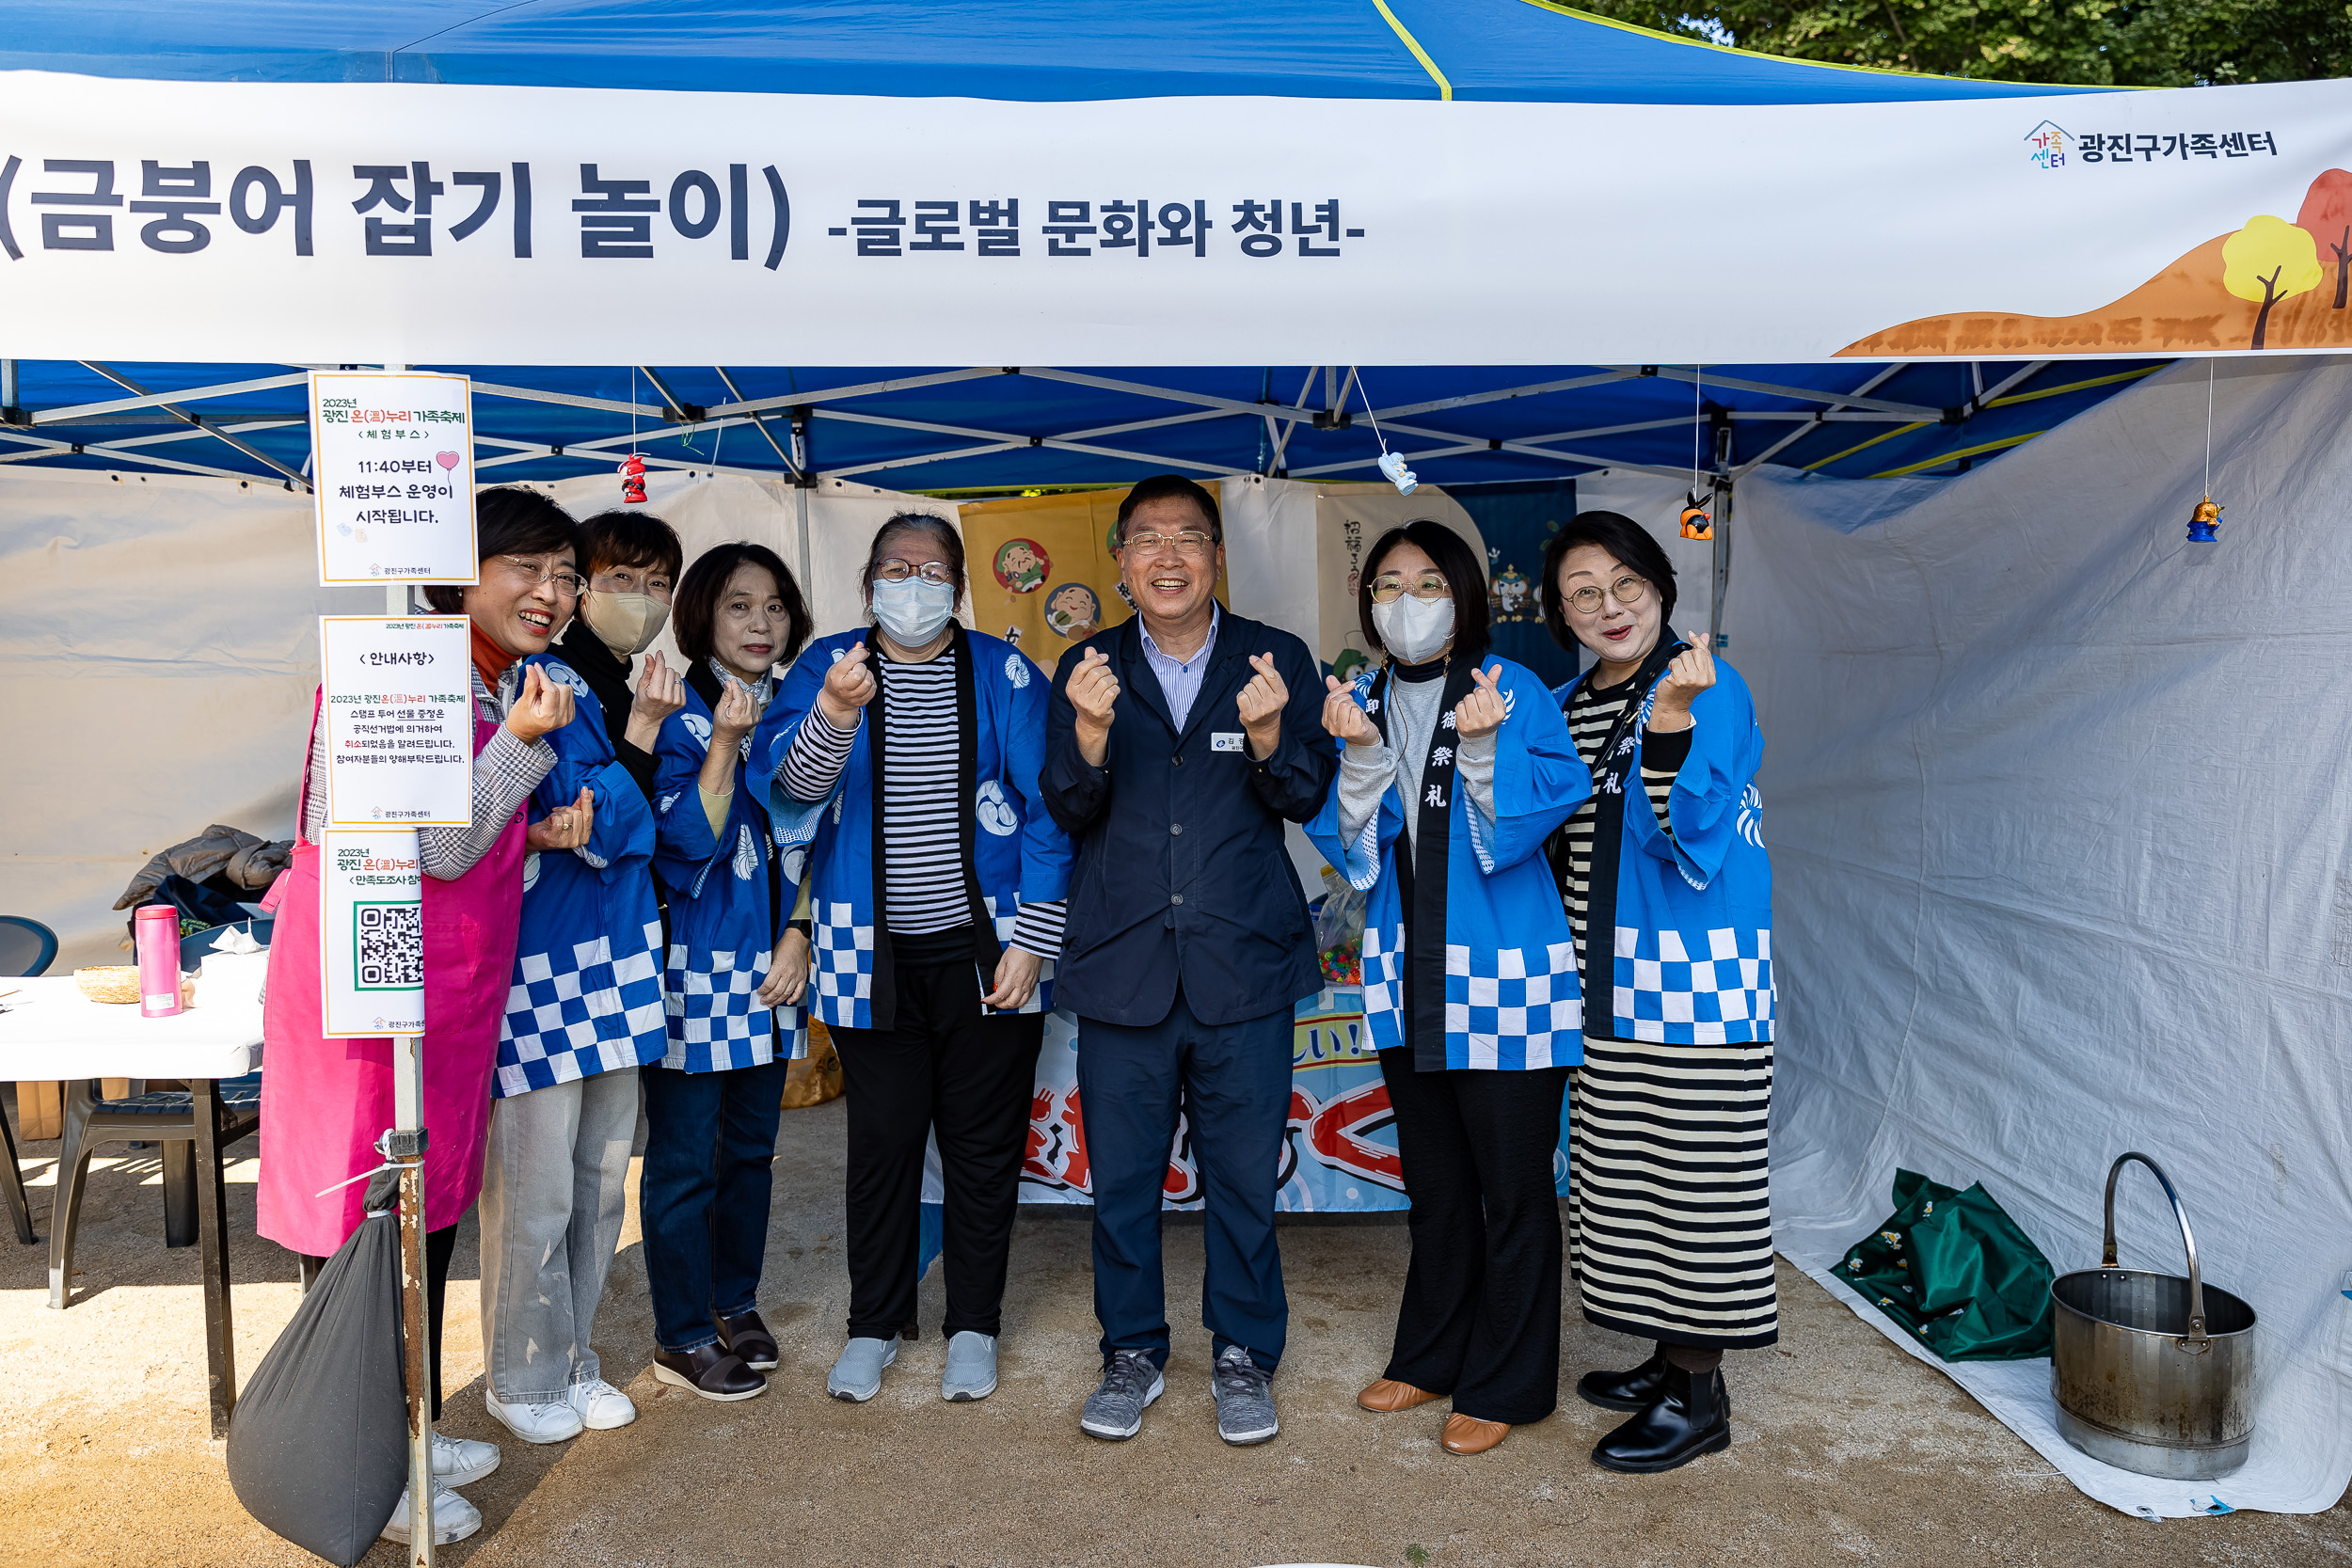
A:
109, 983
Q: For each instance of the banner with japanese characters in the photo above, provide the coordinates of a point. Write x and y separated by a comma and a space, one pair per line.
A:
398, 711
371, 933
393, 472
405, 223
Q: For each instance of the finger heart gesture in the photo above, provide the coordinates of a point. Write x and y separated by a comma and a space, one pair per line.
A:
1344, 716
1690, 672
1483, 711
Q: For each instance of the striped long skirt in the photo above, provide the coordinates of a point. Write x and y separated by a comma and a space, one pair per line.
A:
1670, 1231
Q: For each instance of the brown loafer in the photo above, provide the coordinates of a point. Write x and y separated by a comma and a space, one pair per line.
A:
1386, 1394
1469, 1434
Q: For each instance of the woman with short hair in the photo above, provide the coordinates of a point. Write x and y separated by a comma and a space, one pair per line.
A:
1454, 769
1669, 893
585, 1009
938, 881
734, 974
323, 1102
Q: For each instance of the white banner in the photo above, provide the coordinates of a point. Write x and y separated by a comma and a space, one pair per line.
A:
371, 933
392, 456
399, 713
400, 223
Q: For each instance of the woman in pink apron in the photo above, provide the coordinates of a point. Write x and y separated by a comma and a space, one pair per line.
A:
325, 1102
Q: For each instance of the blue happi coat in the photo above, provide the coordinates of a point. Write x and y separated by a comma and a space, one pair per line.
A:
1693, 955
725, 916
586, 994
1020, 855
1511, 998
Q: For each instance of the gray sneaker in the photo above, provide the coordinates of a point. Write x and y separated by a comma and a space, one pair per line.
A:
1115, 1409
1244, 1400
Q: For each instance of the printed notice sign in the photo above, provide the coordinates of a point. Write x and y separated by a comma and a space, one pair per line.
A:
398, 717
371, 933
392, 473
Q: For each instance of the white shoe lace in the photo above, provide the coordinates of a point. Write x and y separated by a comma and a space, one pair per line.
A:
593, 1389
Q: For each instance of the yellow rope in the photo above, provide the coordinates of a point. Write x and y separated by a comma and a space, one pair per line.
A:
1445, 88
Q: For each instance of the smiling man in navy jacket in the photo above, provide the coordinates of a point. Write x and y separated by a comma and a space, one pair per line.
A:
1177, 744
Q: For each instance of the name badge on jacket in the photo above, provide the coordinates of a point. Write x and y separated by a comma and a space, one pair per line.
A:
1224, 742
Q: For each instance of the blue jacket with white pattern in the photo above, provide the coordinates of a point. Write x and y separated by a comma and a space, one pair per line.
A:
1020, 855
1694, 921
723, 919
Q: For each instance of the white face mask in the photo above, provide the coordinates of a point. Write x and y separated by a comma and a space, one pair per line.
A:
1414, 630
625, 622
913, 611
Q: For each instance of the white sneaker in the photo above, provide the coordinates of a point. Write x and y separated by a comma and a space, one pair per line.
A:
601, 1406
555, 1422
461, 1461
453, 1517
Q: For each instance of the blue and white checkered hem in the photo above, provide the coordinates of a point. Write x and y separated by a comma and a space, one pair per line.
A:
1723, 997
1515, 1007
715, 1016
841, 961
571, 1015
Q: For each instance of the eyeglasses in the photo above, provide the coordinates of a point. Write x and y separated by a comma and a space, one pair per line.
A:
896, 570
1428, 587
567, 583
1628, 591
1190, 542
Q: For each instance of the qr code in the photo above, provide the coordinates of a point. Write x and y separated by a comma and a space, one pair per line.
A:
388, 939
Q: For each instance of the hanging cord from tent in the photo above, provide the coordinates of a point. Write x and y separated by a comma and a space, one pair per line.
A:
2205, 515
1696, 523
1391, 463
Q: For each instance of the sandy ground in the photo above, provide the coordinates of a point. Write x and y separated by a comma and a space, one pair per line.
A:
1844, 1449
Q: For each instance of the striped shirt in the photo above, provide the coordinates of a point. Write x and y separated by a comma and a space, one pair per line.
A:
506, 772
1591, 714
925, 887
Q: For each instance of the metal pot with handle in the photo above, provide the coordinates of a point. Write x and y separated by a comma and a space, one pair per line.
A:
2153, 1373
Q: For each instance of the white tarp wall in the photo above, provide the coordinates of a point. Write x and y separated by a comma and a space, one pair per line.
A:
2059, 812
159, 649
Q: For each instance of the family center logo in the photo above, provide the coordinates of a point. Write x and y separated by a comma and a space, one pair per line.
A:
2049, 143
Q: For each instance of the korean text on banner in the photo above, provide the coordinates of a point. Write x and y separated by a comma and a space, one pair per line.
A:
393, 476
371, 933
399, 708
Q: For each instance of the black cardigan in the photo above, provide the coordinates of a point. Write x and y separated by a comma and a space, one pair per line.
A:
607, 674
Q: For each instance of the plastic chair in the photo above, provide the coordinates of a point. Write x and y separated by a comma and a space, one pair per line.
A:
165, 1116
27, 947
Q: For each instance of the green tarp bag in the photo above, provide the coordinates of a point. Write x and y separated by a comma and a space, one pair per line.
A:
1956, 1271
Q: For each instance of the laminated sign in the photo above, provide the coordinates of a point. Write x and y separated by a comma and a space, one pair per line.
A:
398, 708
392, 474
371, 933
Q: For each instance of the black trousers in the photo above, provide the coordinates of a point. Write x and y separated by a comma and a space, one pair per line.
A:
439, 1247
944, 1066
1481, 1315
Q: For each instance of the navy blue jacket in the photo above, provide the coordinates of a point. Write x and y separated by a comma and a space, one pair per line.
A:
1181, 870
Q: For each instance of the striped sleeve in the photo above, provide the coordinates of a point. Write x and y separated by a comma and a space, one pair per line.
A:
812, 764
1038, 928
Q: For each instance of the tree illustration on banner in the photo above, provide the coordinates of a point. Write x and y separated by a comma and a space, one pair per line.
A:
2327, 213
2267, 260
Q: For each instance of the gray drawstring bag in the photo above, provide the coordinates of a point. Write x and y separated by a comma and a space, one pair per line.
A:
318, 1446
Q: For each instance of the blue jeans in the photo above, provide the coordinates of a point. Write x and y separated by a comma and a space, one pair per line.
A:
711, 1148
1233, 1081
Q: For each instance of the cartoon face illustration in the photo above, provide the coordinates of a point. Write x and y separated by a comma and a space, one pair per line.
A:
1349, 661
1509, 595
1073, 612
1021, 565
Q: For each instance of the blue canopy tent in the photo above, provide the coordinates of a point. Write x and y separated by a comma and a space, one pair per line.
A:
939, 428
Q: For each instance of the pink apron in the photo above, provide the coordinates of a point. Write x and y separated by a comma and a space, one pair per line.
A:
325, 1101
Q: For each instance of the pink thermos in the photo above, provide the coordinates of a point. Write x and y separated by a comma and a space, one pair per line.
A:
158, 944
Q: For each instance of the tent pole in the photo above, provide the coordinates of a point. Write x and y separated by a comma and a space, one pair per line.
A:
1722, 484
405, 1142
807, 576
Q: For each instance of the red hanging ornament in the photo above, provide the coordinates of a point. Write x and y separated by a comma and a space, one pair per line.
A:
633, 480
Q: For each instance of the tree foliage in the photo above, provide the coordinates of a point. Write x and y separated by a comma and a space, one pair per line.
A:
2156, 43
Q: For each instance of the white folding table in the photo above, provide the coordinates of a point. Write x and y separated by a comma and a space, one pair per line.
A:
50, 1031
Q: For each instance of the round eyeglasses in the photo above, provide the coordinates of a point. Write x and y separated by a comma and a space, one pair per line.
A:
567, 583
1428, 587
1629, 591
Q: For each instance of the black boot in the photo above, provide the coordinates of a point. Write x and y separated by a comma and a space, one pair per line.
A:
1690, 1416
1632, 1390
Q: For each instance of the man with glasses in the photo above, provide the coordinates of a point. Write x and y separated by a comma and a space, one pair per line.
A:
1177, 745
